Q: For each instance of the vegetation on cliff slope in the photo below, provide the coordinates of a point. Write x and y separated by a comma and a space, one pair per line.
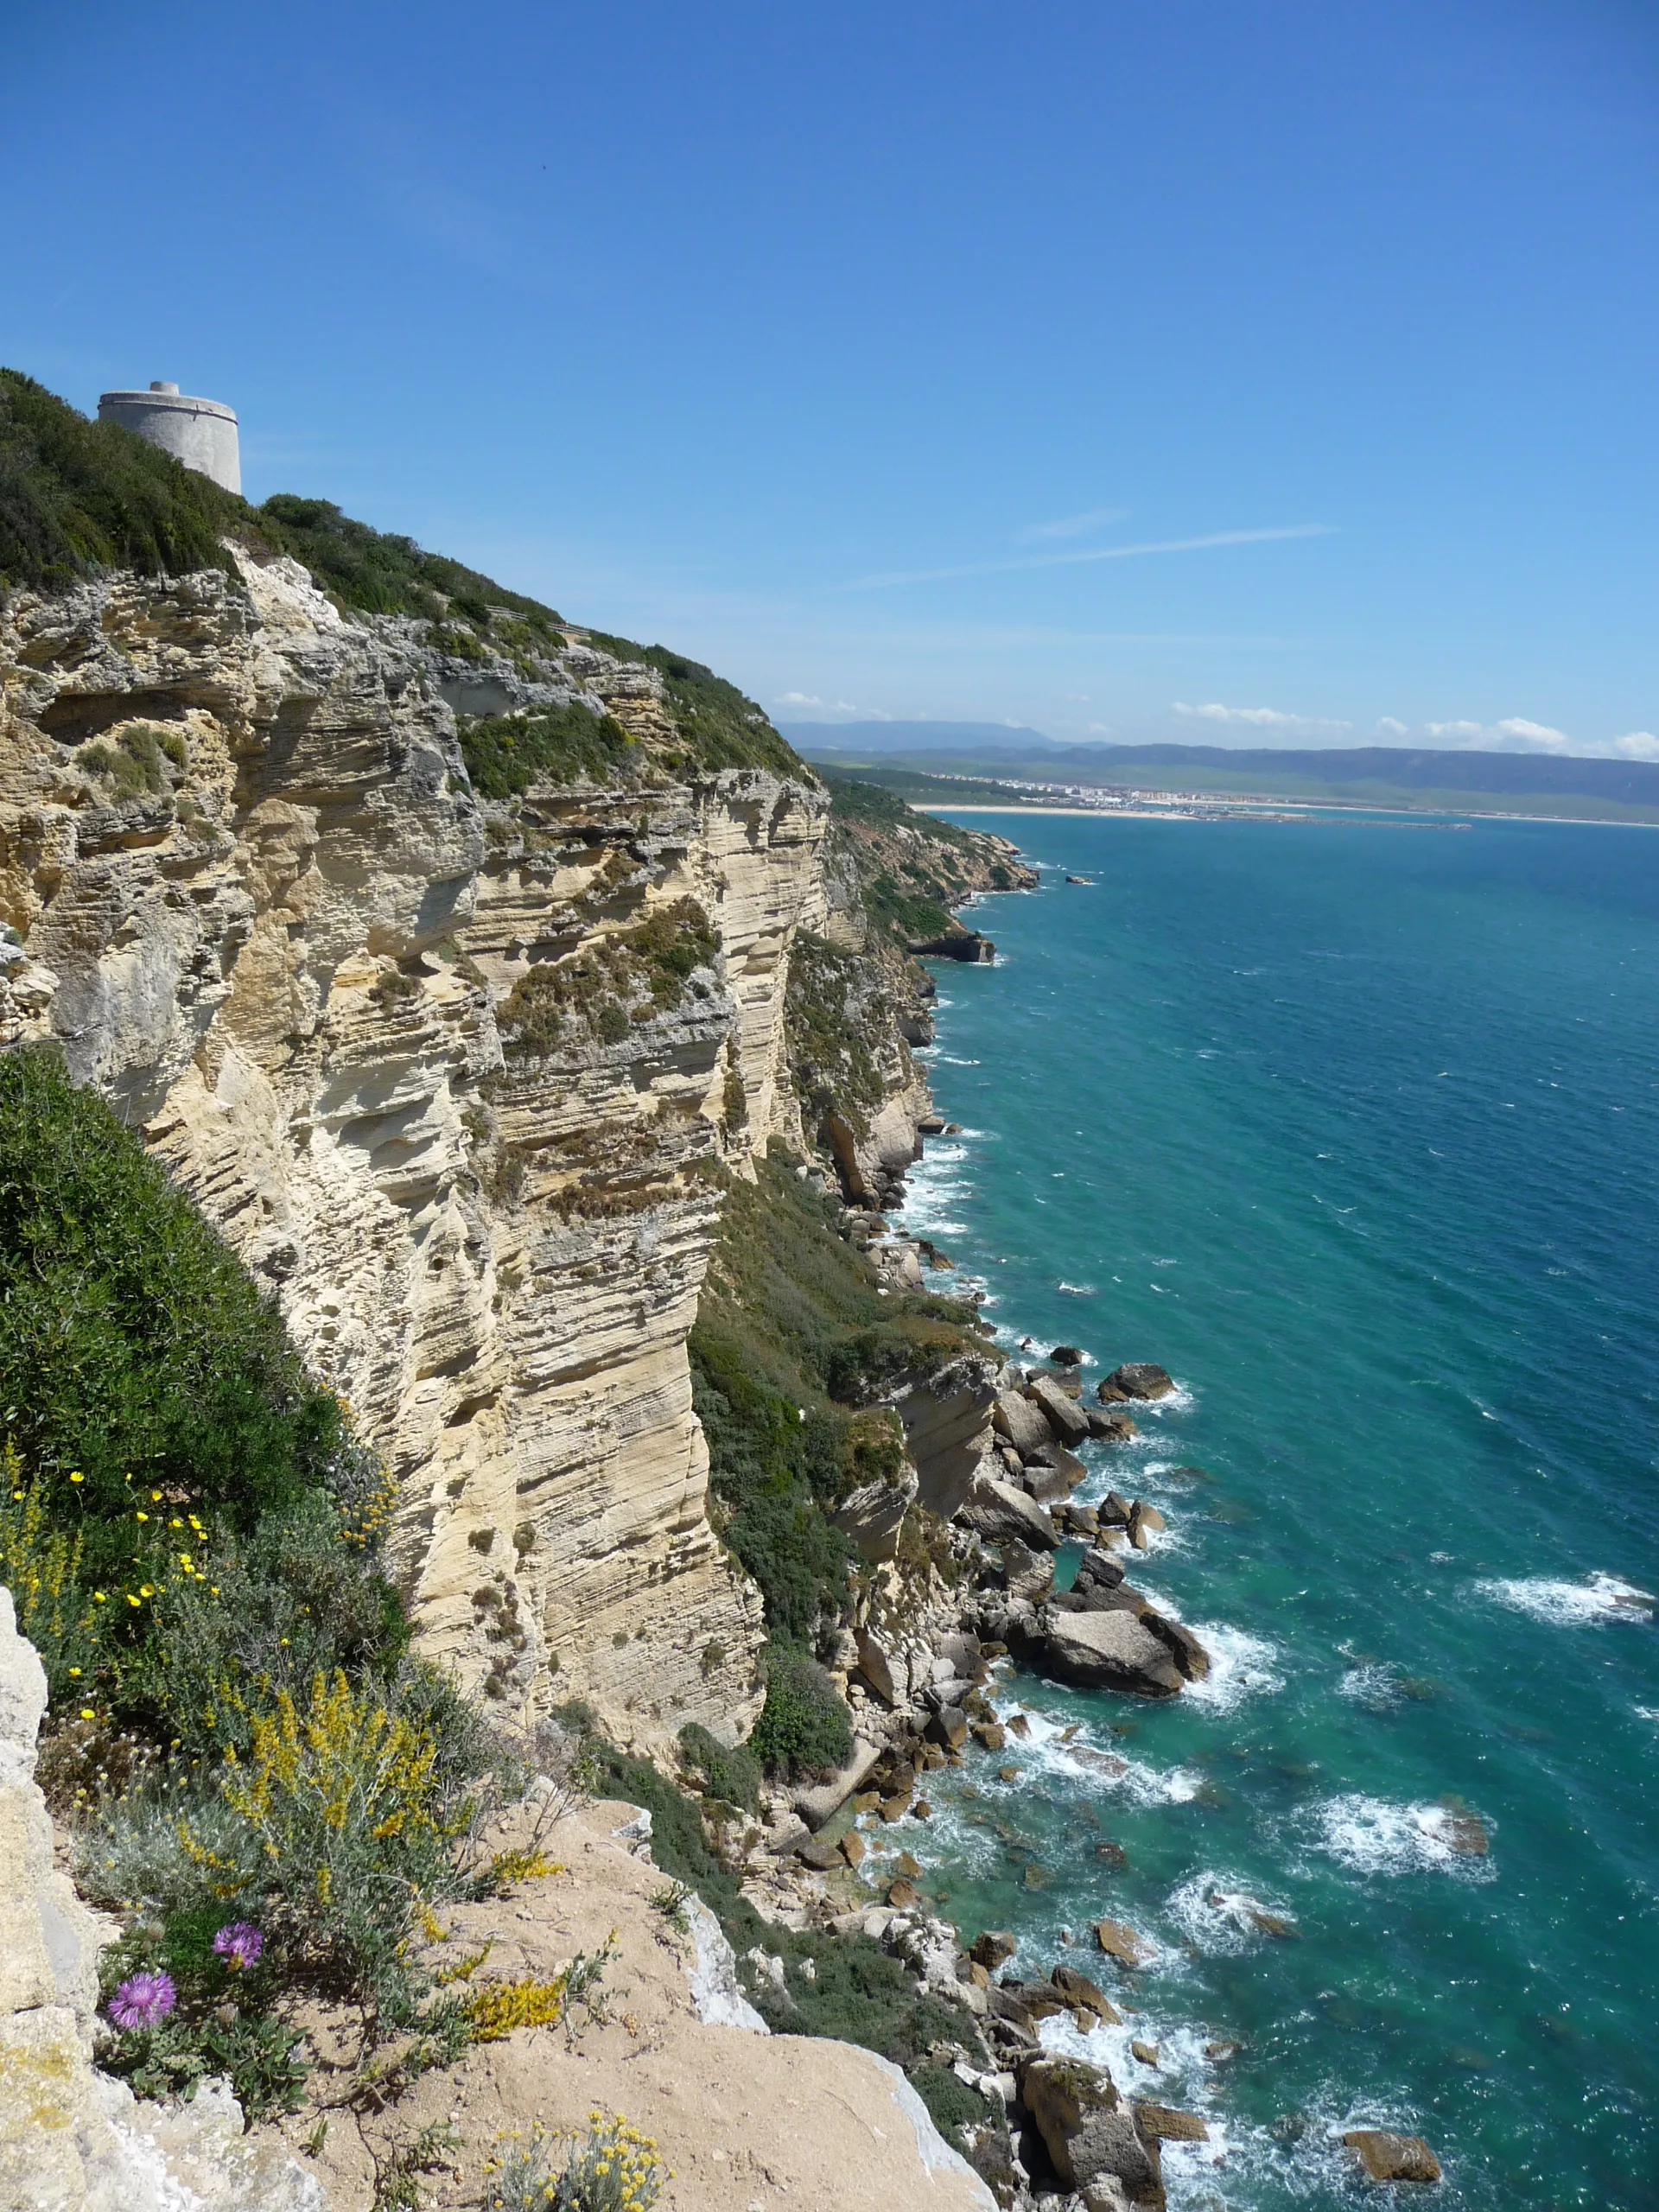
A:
793, 1345
912, 869
78, 497
193, 1542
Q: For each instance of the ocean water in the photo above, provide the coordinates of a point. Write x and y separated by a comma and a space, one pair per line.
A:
1353, 1125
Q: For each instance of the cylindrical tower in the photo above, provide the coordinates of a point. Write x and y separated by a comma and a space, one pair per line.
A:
199, 432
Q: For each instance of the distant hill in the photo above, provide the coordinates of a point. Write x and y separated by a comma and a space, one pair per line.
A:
1378, 773
869, 740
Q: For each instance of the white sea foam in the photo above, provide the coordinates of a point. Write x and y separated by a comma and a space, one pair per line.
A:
1375, 1685
1241, 1666
1058, 1749
1572, 1605
1078, 1290
1216, 1917
1372, 1836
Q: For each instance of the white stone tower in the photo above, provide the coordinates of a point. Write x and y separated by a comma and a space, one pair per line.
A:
199, 432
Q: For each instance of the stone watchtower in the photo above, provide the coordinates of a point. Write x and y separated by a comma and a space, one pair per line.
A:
199, 432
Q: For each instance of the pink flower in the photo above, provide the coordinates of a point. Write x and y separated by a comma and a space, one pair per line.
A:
143, 2000
240, 1944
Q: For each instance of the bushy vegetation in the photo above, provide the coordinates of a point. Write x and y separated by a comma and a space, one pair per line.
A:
721, 727
834, 1001
506, 753
273, 1796
728, 1773
375, 572
76, 496
611, 982
614, 2168
143, 1377
791, 1344
913, 869
804, 1727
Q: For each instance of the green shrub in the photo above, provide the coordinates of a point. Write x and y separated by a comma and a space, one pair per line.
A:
375, 572
611, 982
347, 1821
954, 2107
76, 496
730, 1773
132, 766
135, 1352
791, 1336
506, 753
297, 1597
803, 1726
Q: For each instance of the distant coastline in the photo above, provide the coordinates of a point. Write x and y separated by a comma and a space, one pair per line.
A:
1225, 810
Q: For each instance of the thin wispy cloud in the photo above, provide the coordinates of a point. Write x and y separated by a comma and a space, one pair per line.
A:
831, 706
1262, 718
1213, 538
1070, 525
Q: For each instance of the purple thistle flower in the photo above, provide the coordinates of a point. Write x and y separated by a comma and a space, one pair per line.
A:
143, 2000
240, 1944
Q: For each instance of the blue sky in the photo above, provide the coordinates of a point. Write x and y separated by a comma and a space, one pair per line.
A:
1259, 373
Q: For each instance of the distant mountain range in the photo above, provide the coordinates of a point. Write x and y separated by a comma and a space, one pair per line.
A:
993, 749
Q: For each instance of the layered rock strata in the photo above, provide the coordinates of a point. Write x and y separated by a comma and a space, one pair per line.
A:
458, 1082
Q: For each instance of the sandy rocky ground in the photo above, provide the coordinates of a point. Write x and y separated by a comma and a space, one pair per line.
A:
747, 2121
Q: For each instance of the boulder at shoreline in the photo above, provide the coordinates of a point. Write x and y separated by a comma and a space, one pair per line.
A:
1135, 1379
1109, 1650
1086, 2130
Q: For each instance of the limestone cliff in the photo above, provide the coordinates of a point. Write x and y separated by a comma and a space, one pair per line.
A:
252, 892
458, 1077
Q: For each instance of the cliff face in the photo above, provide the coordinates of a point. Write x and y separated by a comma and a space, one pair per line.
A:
251, 890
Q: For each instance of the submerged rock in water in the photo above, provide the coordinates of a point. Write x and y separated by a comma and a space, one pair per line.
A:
1465, 1832
1387, 2157
1084, 1995
1108, 1426
1144, 1520
1169, 2125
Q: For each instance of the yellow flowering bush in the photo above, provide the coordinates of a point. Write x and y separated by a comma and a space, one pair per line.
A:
348, 1828
614, 2167
41, 1564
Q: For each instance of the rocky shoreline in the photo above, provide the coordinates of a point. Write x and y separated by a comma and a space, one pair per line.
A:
993, 1461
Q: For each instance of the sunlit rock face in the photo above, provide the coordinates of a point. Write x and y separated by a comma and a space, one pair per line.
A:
412, 1056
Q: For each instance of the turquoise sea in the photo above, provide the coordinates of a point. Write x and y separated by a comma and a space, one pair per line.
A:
1354, 1125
